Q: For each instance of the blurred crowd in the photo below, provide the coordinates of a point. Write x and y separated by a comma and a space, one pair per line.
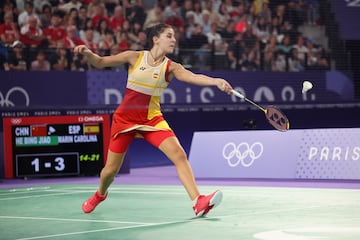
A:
246, 35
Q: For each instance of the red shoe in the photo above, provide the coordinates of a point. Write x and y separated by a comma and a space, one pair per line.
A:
205, 203
90, 204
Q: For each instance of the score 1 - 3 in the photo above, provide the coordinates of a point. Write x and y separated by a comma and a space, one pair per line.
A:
47, 164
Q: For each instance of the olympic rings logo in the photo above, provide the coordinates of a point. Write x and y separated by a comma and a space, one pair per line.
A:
6, 102
243, 153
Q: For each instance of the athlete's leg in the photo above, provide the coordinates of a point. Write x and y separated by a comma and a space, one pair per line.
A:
174, 151
168, 143
110, 170
115, 157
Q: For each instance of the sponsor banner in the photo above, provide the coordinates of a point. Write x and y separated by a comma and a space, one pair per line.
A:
347, 13
108, 88
60, 88
296, 154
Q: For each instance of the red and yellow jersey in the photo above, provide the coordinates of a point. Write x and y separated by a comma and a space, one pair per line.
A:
140, 108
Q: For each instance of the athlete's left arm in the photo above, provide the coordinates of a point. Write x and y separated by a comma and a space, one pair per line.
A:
185, 75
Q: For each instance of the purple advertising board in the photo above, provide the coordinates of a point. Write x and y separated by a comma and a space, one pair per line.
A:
108, 88
296, 154
347, 13
31, 89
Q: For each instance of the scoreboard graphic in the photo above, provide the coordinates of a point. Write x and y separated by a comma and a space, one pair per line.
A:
55, 145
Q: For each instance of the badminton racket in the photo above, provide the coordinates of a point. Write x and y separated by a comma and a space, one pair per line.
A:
272, 113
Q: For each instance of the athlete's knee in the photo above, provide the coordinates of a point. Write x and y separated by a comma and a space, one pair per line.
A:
179, 155
109, 171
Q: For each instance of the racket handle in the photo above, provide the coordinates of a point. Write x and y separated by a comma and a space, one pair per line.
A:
236, 93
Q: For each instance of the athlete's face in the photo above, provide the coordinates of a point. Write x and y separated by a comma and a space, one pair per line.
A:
166, 41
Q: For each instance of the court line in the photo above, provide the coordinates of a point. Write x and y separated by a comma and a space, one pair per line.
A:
119, 228
72, 220
163, 223
34, 196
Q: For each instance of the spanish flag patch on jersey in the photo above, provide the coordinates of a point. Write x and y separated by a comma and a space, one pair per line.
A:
156, 73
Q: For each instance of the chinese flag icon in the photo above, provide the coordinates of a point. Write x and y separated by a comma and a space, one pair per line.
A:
38, 130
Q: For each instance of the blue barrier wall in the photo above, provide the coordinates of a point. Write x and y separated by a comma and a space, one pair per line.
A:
187, 108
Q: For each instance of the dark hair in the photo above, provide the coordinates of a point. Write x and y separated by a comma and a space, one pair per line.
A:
155, 31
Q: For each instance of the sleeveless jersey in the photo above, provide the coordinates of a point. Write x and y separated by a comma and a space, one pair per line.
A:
140, 107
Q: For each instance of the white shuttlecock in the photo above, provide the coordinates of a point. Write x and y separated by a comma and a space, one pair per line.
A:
306, 86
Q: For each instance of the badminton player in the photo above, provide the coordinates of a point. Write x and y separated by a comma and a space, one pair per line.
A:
139, 114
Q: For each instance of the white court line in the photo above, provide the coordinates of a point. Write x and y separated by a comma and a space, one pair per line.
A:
72, 220
35, 196
160, 224
75, 192
103, 230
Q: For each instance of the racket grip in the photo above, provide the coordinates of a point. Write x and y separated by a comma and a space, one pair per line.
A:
236, 93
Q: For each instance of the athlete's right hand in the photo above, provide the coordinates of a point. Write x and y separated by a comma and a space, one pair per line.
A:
82, 49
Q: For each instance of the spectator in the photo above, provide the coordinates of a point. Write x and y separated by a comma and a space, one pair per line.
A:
154, 15
215, 40
55, 32
266, 12
123, 42
89, 40
107, 41
275, 28
190, 28
133, 32
39, 5
224, 17
83, 18
242, 25
45, 16
285, 46
250, 61
235, 51
270, 50
41, 63
102, 28
31, 34
89, 26
17, 59
135, 11
301, 48
4, 65
295, 64
117, 20
100, 16
70, 5
197, 8
79, 63
205, 22
60, 59
312, 15
186, 7
71, 39
198, 42
92, 8
141, 44
29, 11
9, 31
279, 62
261, 30
249, 38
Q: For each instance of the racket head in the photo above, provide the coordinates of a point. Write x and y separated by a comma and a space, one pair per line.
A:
277, 118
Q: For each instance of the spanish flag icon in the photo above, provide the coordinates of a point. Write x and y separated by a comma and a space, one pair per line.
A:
91, 128
156, 73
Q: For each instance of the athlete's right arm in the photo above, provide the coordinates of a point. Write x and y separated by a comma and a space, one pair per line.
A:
107, 61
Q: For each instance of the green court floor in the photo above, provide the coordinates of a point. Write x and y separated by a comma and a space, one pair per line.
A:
150, 212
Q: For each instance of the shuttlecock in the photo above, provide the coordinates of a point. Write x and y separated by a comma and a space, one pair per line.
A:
306, 86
